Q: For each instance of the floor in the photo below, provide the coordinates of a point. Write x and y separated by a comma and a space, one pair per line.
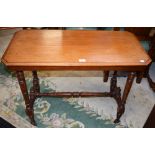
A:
142, 105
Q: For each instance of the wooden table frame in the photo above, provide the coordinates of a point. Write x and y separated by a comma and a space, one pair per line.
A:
115, 92
142, 33
91, 45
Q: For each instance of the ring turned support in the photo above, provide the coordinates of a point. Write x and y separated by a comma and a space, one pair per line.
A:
35, 92
23, 87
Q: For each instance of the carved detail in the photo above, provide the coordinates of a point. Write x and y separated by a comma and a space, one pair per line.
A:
116, 93
32, 97
34, 89
35, 92
113, 83
121, 106
75, 94
36, 86
23, 87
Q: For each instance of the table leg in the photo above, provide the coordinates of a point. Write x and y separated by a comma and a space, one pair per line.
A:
114, 90
121, 106
139, 77
113, 83
34, 89
35, 82
23, 87
106, 75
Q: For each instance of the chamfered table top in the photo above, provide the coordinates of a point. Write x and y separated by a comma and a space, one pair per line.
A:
59, 48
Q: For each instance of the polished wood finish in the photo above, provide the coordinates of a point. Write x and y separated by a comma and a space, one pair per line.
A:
75, 50
128, 86
115, 92
75, 94
121, 105
23, 87
57, 49
36, 86
113, 82
34, 89
142, 33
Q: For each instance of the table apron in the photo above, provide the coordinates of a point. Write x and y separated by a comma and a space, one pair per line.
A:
78, 68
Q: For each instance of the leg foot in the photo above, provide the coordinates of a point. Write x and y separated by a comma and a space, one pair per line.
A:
30, 113
121, 105
116, 121
116, 93
120, 111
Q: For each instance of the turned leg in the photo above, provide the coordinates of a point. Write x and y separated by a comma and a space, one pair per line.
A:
121, 107
35, 82
35, 88
106, 75
113, 83
23, 87
114, 90
139, 77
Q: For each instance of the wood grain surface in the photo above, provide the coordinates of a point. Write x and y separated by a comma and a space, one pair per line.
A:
54, 49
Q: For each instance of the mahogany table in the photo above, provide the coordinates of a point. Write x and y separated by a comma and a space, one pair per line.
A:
32, 50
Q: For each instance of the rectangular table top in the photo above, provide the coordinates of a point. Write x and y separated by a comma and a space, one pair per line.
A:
57, 49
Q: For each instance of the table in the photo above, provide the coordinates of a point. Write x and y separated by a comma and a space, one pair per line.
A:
32, 50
